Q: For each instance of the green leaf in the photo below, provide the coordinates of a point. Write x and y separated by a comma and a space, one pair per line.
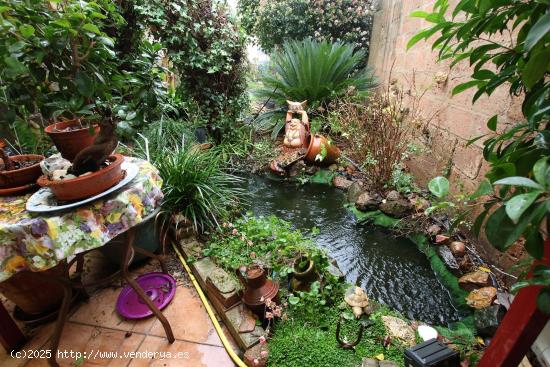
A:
537, 32
84, 84
519, 181
26, 30
502, 232
419, 14
540, 171
439, 186
15, 66
543, 300
492, 123
464, 86
535, 68
131, 115
484, 188
534, 244
293, 300
92, 28
517, 205
63, 23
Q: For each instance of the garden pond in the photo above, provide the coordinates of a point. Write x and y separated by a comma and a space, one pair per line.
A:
391, 269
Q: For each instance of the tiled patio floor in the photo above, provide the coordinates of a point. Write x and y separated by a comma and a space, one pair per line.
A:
95, 327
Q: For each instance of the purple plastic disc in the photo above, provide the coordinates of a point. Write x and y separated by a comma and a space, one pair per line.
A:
160, 288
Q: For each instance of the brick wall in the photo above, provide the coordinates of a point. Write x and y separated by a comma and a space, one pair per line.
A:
455, 120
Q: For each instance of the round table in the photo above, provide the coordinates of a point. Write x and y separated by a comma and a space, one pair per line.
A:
36, 242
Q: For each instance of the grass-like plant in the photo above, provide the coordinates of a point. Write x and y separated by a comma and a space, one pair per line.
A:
314, 71
196, 186
195, 183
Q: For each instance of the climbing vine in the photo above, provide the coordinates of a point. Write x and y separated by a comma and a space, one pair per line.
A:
207, 50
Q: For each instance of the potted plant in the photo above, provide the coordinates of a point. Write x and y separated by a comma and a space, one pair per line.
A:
61, 65
304, 274
93, 170
17, 172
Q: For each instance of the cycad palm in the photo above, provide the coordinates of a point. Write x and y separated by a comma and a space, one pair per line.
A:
314, 71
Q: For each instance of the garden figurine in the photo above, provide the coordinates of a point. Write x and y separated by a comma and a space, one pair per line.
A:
357, 299
296, 130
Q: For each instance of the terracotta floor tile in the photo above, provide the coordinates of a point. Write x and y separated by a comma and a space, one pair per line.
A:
100, 310
98, 344
37, 340
182, 353
188, 318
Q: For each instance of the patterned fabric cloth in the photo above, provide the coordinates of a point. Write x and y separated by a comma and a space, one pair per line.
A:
37, 242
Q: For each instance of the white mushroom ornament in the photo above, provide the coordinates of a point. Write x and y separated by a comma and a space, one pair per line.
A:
357, 299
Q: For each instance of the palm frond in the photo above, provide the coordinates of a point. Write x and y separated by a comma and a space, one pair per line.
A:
314, 71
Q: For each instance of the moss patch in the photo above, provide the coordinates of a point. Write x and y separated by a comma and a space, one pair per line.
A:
298, 342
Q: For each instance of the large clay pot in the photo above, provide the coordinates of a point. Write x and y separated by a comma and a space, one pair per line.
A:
316, 144
34, 294
257, 289
22, 176
88, 185
70, 143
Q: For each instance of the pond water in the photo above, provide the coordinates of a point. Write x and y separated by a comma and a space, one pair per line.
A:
390, 269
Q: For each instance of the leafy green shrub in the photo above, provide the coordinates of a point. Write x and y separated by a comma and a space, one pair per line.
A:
275, 22
314, 71
517, 184
55, 59
207, 50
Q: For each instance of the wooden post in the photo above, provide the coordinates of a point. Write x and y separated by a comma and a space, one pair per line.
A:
519, 328
10, 336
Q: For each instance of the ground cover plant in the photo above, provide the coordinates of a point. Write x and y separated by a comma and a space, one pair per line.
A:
308, 318
516, 189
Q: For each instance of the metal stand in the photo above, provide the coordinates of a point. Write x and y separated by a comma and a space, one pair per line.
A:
69, 286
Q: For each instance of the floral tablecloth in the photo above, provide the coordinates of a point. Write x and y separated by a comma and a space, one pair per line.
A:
37, 242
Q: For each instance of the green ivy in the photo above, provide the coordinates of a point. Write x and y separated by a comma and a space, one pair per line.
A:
207, 50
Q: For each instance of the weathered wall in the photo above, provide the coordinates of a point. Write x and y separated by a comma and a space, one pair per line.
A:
455, 120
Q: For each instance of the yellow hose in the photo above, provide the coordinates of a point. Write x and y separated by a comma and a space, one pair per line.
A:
204, 300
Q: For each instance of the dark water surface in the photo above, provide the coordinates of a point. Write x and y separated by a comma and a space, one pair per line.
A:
390, 269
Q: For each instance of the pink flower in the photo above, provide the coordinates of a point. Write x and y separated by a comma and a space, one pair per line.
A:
268, 315
262, 340
264, 354
277, 312
234, 232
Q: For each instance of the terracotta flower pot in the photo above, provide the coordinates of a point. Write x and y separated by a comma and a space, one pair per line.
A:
34, 294
22, 176
257, 289
89, 185
316, 144
70, 143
